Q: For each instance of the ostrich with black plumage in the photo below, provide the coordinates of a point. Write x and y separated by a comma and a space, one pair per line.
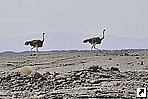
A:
95, 40
36, 43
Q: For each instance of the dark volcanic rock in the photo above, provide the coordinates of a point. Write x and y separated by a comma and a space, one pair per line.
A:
94, 69
39, 76
115, 69
94, 82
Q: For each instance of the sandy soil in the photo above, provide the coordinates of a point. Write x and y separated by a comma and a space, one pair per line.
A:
74, 74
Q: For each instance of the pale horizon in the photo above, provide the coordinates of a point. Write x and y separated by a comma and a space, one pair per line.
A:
73, 42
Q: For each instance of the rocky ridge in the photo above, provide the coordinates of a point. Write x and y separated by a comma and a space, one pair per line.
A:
94, 81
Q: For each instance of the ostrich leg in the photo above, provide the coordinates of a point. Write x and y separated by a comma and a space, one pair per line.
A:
32, 48
36, 48
97, 49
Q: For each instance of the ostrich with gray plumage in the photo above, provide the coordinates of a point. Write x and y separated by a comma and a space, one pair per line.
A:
94, 41
35, 43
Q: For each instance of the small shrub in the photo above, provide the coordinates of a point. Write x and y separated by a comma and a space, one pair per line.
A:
26, 70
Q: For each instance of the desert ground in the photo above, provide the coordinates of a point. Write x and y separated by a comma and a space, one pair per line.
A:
74, 74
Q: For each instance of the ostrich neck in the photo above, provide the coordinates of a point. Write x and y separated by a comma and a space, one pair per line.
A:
103, 36
43, 37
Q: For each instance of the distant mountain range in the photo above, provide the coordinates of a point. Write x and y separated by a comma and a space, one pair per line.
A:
12, 53
70, 41
24, 52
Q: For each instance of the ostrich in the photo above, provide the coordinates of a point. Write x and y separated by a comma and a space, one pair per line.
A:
94, 41
36, 43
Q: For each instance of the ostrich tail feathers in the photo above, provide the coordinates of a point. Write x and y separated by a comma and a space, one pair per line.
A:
27, 43
85, 41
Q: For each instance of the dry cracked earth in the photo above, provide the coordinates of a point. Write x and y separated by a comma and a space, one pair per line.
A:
74, 74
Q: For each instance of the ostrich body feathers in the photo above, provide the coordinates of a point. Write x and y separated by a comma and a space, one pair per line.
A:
37, 43
96, 40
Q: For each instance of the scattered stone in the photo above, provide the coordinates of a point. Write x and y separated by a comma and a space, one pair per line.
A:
117, 64
126, 54
32, 54
115, 69
142, 63
137, 57
39, 76
98, 81
129, 63
105, 76
110, 58
94, 69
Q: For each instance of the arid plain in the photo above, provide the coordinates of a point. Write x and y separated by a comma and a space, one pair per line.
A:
74, 74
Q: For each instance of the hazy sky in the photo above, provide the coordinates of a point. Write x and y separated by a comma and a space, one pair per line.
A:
124, 18
68, 22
